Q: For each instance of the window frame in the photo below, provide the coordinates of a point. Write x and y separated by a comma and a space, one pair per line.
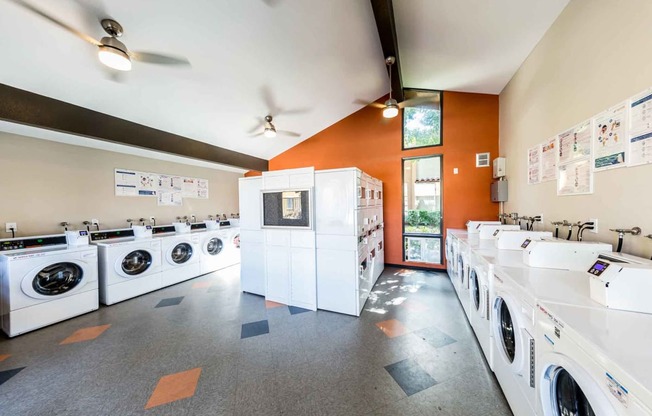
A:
440, 236
441, 121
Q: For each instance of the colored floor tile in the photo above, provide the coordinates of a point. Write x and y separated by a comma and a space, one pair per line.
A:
392, 328
269, 304
435, 337
294, 310
6, 375
169, 302
410, 376
4, 357
254, 329
415, 306
85, 334
201, 285
174, 387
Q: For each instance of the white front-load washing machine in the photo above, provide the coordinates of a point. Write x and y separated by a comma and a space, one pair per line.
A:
593, 361
480, 282
232, 249
516, 291
463, 269
181, 253
213, 242
43, 280
129, 266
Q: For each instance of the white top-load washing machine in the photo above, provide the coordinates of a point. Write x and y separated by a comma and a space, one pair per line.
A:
516, 293
473, 227
129, 265
213, 242
593, 361
518, 240
44, 280
180, 253
490, 231
563, 254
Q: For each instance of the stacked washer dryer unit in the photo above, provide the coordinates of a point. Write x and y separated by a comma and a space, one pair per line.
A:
597, 360
129, 263
46, 279
180, 251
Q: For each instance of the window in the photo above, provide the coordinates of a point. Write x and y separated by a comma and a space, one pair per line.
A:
422, 119
422, 219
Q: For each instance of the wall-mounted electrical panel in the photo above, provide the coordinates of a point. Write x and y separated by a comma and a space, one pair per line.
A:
499, 167
499, 191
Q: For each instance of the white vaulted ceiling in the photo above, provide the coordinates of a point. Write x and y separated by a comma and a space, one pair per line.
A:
306, 61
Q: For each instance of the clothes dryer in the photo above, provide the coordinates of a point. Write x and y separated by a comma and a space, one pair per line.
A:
43, 280
593, 361
129, 266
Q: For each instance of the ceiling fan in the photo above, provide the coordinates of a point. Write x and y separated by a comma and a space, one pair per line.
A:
391, 106
270, 130
111, 52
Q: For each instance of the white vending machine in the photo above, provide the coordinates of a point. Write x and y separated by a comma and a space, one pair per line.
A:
349, 238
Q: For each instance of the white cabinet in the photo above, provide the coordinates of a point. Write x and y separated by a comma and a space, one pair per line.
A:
252, 252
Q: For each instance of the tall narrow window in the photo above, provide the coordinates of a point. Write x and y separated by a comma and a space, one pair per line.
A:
422, 219
422, 119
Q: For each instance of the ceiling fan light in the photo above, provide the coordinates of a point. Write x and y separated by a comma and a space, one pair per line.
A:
390, 111
114, 58
270, 133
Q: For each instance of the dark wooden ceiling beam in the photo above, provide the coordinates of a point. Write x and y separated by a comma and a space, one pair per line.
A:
24, 107
384, 15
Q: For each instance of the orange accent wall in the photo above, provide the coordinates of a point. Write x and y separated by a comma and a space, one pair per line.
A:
250, 173
368, 141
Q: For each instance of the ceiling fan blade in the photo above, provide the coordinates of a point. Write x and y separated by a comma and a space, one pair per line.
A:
58, 22
372, 104
268, 99
261, 123
271, 3
420, 101
159, 59
115, 76
293, 111
257, 135
288, 133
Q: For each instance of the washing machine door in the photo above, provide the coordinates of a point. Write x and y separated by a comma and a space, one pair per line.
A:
181, 253
135, 263
236, 240
53, 280
213, 246
475, 288
569, 399
506, 328
460, 267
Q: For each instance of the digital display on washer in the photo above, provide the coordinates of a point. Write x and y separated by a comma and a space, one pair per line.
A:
598, 267
22, 243
110, 235
198, 226
83, 233
225, 223
163, 229
526, 243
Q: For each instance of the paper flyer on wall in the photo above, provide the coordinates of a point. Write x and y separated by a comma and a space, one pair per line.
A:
575, 178
169, 183
134, 183
202, 188
610, 148
549, 160
640, 129
575, 143
189, 189
173, 198
534, 165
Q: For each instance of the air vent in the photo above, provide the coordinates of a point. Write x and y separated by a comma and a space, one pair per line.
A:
482, 160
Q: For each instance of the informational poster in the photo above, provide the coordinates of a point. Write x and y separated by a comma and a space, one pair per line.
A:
575, 178
610, 147
575, 143
169, 189
534, 165
640, 129
549, 160
134, 183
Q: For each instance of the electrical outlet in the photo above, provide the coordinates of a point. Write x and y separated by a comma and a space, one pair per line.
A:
152, 220
595, 225
10, 225
95, 221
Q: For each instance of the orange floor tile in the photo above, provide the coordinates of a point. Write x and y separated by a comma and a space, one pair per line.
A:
392, 328
85, 334
174, 387
201, 285
4, 357
269, 304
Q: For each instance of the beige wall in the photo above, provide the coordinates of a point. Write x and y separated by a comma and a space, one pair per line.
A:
43, 183
595, 55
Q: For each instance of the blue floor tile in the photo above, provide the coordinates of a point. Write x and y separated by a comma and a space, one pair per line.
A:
435, 337
169, 302
410, 376
254, 329
295, 310
6, 375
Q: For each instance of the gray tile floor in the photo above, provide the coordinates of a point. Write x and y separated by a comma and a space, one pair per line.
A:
310, 363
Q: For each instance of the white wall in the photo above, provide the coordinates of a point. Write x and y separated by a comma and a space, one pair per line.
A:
43, 183
595, 55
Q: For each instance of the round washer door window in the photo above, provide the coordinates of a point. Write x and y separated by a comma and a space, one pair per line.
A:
136, 262
214, 246
460, 267
473, 277
57, 279
181, 253
236, 241
569, 397
507, 333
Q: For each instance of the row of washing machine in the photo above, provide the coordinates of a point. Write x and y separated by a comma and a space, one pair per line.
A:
47, 279
544, 313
